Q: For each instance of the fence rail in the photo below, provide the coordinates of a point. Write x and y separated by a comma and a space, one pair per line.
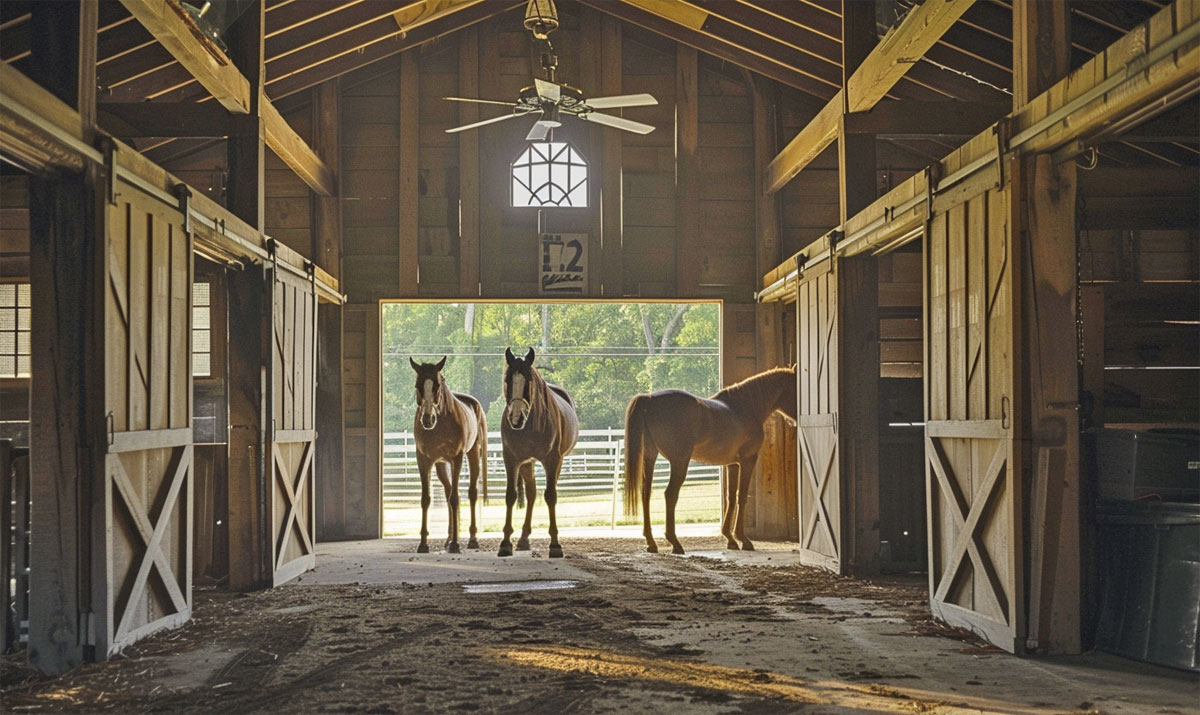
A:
592, 479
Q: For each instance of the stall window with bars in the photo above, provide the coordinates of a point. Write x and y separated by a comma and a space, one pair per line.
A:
201, 329
14, 329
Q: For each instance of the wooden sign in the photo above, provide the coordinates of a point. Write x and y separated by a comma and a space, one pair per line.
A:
563, 264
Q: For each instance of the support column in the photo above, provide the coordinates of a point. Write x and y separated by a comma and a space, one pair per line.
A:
1041, 47
688, 226
330, 472
249, 359
66, 217
858, 319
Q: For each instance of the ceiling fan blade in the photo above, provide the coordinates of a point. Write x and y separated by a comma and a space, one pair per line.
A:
618, 122
538, 131
621, 100
548, 91
480, 101
493, 120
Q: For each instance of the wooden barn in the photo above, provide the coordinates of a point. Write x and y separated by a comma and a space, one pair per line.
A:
972, 225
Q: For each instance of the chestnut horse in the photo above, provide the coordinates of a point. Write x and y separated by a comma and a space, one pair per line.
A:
447, 426
540, 424
726, 429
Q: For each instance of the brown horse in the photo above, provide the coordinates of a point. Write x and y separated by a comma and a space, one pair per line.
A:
540, 424
447, 426
725, 429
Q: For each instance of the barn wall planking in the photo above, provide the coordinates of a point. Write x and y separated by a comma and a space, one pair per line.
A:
633, 219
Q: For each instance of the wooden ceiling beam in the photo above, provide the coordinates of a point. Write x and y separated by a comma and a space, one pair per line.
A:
878, 74
684, 34
433, 27
295, 152
329, 25
281, 18
720, 31
211, 68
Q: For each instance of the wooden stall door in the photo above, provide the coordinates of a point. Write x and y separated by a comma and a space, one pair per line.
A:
819, 485
292, 443
144, 568
972, 475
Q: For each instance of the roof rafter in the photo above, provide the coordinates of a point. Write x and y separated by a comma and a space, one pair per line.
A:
921, 28
217, 74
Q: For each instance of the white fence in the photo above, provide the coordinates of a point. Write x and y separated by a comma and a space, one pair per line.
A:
594, 472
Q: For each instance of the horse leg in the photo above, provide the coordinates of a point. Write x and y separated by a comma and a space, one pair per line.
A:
455, 506
732, 476
473, 492
423, 469
510, 498
449, 488
530, 497
552, 465
648, 460
678, 474
747, 470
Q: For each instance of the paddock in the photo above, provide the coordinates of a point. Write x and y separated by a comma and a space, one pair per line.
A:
972, 225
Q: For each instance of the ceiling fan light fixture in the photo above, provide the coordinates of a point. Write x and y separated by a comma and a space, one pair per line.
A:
541, 18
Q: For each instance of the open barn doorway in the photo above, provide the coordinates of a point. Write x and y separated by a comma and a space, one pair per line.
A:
601, 352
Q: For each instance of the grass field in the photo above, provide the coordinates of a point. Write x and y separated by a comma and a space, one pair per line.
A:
698, 504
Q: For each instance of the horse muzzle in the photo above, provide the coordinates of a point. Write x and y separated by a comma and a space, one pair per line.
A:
518, 417
428, 421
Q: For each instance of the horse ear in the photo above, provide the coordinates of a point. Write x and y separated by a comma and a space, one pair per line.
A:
441, 363
414, 364
508, 356
529, 357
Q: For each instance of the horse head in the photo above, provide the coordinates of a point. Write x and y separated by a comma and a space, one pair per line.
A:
431, 389
518, 390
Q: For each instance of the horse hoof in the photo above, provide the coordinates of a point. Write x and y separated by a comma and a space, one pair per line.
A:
556, 551
472, 544
747, 546
454, 549
523, 545
505, 550
652, 548
732, 545
423, 548
677, 550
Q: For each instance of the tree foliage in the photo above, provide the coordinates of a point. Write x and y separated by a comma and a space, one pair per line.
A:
602, 353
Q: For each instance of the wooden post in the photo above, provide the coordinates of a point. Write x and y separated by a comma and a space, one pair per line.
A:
61, 419
858, 319
776, 505
249, 359
67, 427
468, 164
688, 226
611, 189
410, 138
330, 473
1048, 279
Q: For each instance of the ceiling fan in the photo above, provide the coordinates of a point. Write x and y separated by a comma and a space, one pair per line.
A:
549, 99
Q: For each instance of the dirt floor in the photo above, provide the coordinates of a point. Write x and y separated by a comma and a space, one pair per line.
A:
378, 629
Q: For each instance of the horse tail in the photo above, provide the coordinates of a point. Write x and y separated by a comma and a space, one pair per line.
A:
635, 446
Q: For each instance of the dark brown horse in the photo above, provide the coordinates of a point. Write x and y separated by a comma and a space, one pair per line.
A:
725, 429
539, 424
447, 426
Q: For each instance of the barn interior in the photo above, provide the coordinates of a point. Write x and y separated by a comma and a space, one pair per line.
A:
996, 447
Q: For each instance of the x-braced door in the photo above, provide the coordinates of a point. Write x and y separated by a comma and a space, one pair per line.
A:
145, 563
292, 430
816, 384
972, 476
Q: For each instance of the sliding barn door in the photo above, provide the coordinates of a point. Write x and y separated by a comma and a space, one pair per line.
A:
972, 475
291, 430
143, 550
819, 489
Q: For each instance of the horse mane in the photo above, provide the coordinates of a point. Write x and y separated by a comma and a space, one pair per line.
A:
540, 399
751, 391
